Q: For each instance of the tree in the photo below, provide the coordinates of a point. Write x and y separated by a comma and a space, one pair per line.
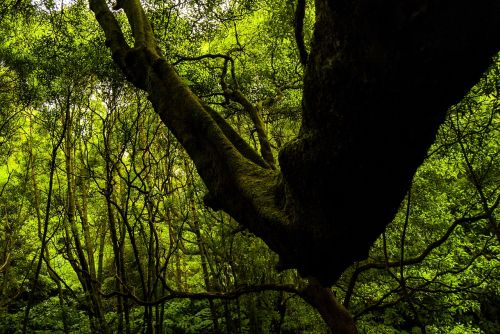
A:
378, 82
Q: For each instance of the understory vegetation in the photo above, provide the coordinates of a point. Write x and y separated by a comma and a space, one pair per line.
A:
103, 224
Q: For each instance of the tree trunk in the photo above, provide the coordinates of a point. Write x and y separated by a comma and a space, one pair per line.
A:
115, 233
44, 226
333, 313
379, 80
84, 253
38, 213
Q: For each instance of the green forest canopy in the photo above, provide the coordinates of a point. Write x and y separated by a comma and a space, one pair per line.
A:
106, 225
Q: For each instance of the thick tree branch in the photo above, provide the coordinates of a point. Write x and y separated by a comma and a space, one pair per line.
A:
139, 23
114, 35
256, 116
267, 159
253, 111
300, 12
237, 182
240, 144
380, 78
333, 313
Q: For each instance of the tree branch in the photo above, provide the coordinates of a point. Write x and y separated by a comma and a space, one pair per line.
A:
237, 181
205, 56
253, 111
240, 144
333, 313
114, 35
139, 23
415, 260
300, 12
238, 292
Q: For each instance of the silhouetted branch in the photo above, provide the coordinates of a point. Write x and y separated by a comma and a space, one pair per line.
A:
300, 12
415, 260
242, 290
205, 56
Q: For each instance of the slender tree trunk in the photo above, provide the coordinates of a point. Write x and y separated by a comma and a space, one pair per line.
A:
93, 281
195, 226
84, 254
103, 229
43, 230
143, 165
113, 228
36, 195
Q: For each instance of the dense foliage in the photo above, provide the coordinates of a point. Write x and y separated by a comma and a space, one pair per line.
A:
103, 227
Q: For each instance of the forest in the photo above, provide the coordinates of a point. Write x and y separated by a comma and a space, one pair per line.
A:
249, 166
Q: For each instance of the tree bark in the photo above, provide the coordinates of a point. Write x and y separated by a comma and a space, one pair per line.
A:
379, 80
333, 313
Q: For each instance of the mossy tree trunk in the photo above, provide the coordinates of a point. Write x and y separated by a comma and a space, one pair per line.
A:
379, 80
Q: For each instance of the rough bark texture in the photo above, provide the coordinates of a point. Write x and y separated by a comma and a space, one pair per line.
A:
380, 78
334, 314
